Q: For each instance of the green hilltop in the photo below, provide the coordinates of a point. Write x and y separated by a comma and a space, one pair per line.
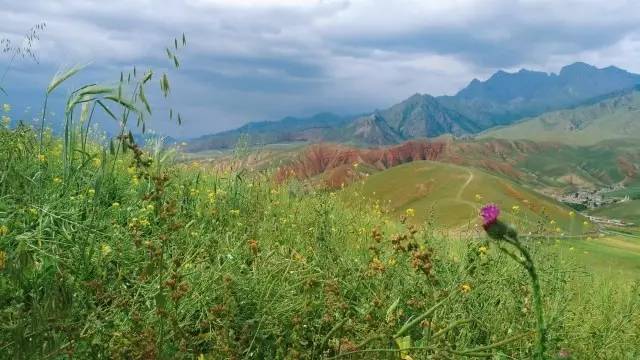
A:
610, 119
452, 195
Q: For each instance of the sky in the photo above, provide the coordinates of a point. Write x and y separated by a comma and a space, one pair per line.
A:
251, 60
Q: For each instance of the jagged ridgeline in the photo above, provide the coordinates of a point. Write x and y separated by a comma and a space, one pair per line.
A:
501, 100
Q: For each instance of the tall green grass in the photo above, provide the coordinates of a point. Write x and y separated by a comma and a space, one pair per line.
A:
168, 261
114, 250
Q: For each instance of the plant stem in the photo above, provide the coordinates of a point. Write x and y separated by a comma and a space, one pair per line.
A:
537, 298
44, 111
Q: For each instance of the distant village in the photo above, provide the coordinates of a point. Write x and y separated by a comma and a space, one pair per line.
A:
591, 199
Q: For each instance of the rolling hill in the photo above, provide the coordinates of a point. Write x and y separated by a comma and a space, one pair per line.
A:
609, 119
451, 195
500, 100
627, 211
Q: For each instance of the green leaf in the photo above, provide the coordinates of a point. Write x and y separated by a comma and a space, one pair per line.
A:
147, 77
143, 98
391, 309
62, 76
106, 109
403, 343
122, 102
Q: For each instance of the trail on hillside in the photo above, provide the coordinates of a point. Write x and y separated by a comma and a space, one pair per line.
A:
464, 186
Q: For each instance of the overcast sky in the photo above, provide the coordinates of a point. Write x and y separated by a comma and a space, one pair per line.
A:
253, 60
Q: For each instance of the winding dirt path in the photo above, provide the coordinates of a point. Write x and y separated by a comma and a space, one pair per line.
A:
464, 186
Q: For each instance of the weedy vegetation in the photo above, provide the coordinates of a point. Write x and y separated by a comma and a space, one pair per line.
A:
111, 249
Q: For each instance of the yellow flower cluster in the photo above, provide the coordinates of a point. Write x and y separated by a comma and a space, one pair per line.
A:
105, 249
410, 212
139, 222
465, 288
4, 230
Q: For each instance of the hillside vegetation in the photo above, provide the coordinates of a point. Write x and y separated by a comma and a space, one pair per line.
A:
451, 196
128, 256
615, 118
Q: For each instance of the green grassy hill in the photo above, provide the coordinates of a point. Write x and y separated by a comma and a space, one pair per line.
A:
628, 211
614, 118
452, 195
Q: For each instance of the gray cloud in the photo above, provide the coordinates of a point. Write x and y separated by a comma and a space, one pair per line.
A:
265, 59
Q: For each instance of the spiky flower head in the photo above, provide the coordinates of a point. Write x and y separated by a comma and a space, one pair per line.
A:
493, 226
489, 214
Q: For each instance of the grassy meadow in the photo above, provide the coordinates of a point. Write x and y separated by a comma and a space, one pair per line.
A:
130, 255
111, 249
450, 196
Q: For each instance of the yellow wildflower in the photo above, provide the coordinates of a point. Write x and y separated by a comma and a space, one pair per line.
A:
482, 249
4, 230
410, 212
105, 249
478, 197
465, 288
515, 208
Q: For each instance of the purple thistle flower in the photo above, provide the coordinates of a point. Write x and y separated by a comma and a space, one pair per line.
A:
489, 214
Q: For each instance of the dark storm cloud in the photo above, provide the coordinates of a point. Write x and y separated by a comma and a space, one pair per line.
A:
265, 59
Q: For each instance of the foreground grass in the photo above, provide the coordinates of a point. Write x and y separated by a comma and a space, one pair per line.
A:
129, 256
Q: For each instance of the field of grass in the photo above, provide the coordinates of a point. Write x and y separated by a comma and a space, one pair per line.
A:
628, 211
451, 196
112, 249
612, 256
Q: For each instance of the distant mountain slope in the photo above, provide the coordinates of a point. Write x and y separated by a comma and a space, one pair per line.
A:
614, 118
450, 196
290, 129
501, 100
506, 97
550, 167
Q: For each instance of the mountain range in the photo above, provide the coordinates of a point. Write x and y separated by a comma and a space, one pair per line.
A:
503, 99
